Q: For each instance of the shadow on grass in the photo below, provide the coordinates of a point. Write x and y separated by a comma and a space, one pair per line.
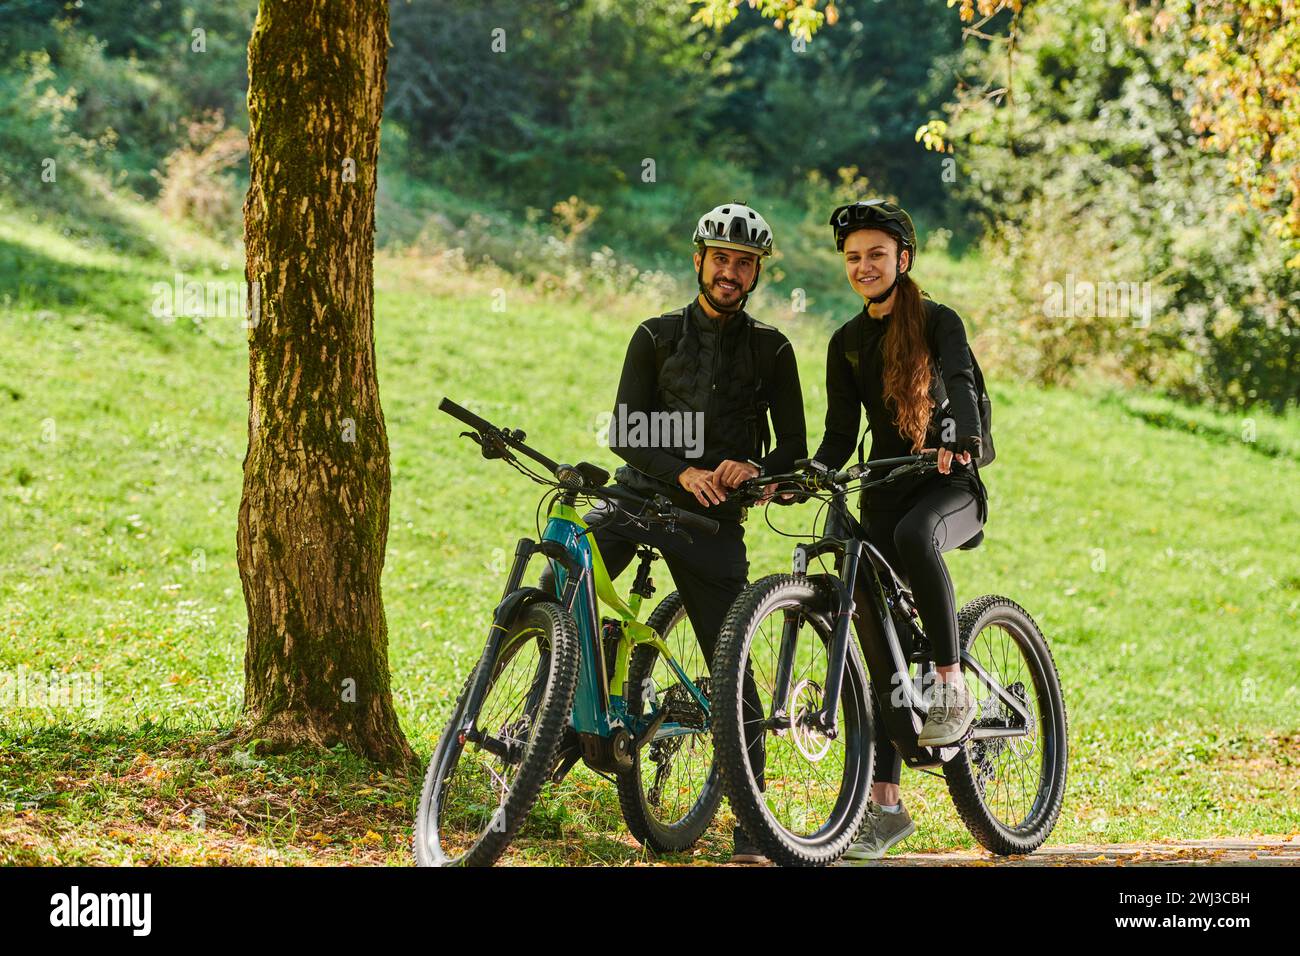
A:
82, 205
159, 793
66, 792
63, 293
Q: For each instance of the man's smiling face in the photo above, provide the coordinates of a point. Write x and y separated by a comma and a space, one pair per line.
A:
728, 274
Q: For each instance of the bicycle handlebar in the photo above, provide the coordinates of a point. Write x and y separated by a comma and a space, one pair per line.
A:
583, 477
662, 509
513, 439
690, 519
811, 476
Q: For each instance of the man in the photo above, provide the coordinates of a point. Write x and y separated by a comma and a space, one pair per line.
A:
711, 374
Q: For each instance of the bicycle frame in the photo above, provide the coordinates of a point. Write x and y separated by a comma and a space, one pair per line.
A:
876, 590
582, 583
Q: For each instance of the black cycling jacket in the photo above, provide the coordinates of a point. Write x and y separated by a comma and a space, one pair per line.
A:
855, 379
712, 372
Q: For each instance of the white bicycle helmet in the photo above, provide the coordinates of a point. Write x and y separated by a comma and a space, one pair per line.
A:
734, 226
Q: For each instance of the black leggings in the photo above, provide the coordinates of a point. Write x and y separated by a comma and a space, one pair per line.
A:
913, 538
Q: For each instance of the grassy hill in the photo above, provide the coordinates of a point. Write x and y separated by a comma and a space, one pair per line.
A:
1156, 557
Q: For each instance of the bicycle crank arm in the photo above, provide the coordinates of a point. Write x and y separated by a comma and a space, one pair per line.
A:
651, 729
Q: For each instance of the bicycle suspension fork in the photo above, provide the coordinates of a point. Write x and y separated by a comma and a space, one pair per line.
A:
825, 720
513, 599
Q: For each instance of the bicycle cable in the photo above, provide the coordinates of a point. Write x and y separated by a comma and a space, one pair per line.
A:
527, 472
537, 515
767, 517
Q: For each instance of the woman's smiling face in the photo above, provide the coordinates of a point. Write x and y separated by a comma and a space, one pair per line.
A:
871, 261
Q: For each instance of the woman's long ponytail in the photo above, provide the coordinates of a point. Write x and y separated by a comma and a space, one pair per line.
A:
907, 364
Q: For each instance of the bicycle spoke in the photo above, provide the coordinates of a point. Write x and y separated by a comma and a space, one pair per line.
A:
476, 788
674, 770
1011, 770
801, 791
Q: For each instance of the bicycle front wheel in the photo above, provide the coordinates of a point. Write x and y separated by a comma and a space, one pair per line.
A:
672, 792
799, 794
481, 784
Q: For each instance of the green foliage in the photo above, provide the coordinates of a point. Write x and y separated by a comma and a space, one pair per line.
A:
37, 125
506, 89
654, 119
1245, 55
133, 73
1090, 169
848, 97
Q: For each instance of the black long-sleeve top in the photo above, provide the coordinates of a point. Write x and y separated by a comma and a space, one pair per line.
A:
638, 391
849, 389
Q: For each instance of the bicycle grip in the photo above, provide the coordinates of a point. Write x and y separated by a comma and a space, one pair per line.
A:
465, 415
689, 519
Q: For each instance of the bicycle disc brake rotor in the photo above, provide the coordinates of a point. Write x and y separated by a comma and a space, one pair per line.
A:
984, 753
806, 700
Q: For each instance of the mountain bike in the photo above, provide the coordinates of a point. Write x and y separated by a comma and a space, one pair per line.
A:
556, 684
1006, 776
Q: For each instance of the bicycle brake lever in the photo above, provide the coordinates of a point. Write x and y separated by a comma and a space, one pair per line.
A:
491, 446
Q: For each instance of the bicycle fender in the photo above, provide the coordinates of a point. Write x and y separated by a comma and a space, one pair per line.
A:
511, 606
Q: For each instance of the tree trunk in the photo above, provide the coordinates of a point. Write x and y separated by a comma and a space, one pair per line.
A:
313, 519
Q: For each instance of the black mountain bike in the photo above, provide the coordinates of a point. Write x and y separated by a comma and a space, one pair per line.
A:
821, 693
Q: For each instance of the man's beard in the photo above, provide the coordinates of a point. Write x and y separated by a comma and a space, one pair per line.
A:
723, 296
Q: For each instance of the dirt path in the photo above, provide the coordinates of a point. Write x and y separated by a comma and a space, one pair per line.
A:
1222, 851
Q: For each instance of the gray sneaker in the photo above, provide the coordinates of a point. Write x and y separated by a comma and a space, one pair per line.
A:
879, 831
951, 713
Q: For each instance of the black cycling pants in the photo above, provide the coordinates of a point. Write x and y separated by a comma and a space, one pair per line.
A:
913, 538
709, 572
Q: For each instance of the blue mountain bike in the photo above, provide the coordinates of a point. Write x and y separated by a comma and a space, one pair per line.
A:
556, 683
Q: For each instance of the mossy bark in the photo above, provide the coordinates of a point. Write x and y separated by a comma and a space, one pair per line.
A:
313, 519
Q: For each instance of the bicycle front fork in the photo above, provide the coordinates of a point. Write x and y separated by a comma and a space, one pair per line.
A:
825, 720
513, 600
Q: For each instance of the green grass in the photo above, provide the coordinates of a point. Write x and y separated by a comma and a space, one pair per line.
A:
1277, 436
1158, 562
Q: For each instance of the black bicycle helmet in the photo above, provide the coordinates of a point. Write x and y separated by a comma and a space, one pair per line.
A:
877, 214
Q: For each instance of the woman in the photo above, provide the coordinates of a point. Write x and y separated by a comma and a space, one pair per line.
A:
898, 358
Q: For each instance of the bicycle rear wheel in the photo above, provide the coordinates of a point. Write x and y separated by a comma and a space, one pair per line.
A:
807, 804
1009, 790
481, 785
672, 792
